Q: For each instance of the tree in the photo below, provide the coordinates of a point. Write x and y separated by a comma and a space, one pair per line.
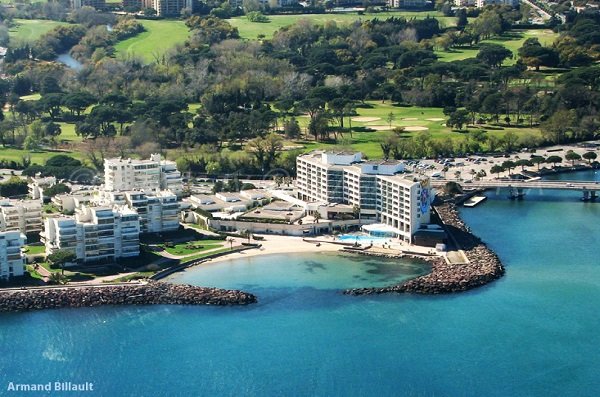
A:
497, 169
589, 156
523, 163
317, 216
265, 150
390, 119
77, 102
493, 54
508, 165
458, 119
15, 186
556, 127
554, 160
572, 157
537, 160
61, 257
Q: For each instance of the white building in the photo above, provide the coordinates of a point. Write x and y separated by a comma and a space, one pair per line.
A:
22, 215
95, 233
378, 189
37, 186
12, 259
464, 3
158, 211
483, 3
153, 174
406, 3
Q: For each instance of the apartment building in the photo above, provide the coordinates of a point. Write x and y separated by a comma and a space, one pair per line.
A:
12, 260
38, 184
378, 188
95, 233
483, 3
131, 174
407, 3
22, 215
97, 4
158, 211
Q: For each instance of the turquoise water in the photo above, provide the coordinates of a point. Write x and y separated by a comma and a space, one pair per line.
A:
363, 238
535, 332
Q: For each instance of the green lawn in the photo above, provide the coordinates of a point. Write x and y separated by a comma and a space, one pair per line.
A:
159, 37
194, 247
38, 157
28, 30
251, 30
512, 40
35, 249
368, 142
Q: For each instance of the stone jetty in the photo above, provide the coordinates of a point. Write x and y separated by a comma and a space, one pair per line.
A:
153, 293
484, 265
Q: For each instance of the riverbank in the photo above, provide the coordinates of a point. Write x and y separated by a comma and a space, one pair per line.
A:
153, 293
483, 265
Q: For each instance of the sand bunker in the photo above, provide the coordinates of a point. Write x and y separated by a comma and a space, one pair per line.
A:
435, 119
415, 128
365, 119
379, 127
410, 118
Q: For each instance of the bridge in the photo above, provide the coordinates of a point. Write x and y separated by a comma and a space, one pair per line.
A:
516, 187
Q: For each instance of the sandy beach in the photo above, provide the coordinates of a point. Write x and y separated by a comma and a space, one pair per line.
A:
280, 245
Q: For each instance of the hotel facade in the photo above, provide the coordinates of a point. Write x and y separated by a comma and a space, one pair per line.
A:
379, 190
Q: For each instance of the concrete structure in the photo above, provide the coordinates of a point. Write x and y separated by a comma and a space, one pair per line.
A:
37, 186
97, 4
229, 202
151, 175
22, 215
377, 190
158, 211
464, 3
483, 3
69, 202
165, 8
12, 259
407, 3
95, 233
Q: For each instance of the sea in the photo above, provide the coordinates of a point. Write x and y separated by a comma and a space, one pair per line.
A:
535, 332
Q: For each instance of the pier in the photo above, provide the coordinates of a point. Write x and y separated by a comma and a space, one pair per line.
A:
516, 187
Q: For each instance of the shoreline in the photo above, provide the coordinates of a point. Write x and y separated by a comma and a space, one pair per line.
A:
153, 293
484, 265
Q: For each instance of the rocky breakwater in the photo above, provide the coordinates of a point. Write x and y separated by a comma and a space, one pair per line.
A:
483, 264
154, 293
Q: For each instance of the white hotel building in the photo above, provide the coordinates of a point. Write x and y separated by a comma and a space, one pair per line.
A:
95, 233
379, 188
12, 260
151, 175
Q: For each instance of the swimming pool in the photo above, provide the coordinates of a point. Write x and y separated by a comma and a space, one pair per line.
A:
363, 238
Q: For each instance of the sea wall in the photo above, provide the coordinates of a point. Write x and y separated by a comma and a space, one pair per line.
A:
484, 265
153, 293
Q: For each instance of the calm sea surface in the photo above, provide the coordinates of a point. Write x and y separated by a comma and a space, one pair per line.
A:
535, 332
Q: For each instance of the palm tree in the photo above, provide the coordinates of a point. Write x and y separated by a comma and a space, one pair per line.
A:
317, 216
58, 278
230, 240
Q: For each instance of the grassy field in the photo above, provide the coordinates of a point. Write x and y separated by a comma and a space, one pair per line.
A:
28, 30
194, 247
368, 134
512, 40
251, 30
159, 37
37, 157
